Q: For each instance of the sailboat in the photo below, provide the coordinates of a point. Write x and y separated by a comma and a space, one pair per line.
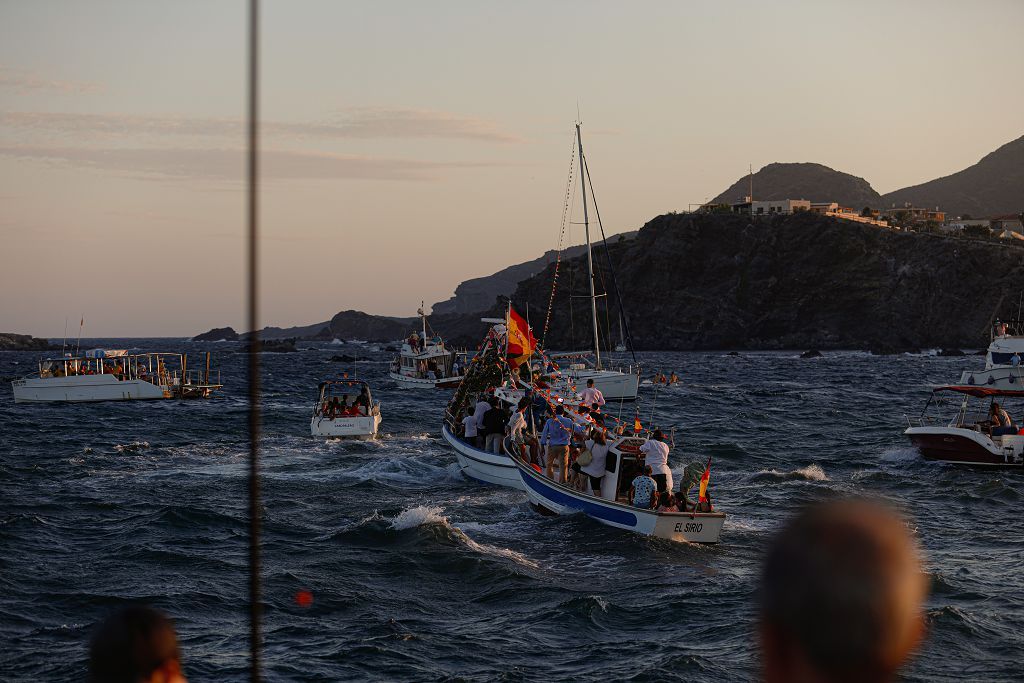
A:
618, 384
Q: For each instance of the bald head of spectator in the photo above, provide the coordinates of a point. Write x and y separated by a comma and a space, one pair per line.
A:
135, 645
841, 596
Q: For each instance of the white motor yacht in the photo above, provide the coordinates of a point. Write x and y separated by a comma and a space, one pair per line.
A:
1003, 359
345, 409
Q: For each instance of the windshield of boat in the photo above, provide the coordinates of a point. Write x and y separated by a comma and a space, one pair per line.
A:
955, 409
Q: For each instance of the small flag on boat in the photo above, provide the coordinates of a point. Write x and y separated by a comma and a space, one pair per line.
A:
521, 341
637, 427
704, 479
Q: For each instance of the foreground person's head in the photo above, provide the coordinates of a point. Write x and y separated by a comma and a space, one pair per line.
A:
841, 596
135, 645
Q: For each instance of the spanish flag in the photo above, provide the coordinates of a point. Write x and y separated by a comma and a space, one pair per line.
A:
704, 479
637, 427
521, 341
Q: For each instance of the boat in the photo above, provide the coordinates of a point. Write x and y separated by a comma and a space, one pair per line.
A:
615, 383
115, 375
607, 507
1003, 367
493, 370
345, 408
968, 438
424, 362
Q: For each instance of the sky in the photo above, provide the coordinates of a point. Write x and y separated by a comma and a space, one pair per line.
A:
408, 146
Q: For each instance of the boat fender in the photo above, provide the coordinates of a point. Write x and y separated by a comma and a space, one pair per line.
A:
1012, 379
970, 380
536, 467
991, 379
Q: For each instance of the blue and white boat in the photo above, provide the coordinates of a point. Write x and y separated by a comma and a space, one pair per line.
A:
608, 508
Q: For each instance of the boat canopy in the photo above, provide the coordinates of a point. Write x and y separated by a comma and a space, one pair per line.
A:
341, 383
979, 391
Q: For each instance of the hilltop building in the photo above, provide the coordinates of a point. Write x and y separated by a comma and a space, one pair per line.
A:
1009, 222
914, 214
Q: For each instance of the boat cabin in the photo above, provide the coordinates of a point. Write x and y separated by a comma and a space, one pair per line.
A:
345, 398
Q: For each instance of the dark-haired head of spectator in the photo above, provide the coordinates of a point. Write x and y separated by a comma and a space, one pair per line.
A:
841, 596
135, 645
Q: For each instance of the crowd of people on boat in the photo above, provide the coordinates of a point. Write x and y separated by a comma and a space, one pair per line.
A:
570, 446
117, 369
661, 378
346, 406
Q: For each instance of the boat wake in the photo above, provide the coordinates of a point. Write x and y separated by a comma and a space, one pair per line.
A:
427, 515
808, 473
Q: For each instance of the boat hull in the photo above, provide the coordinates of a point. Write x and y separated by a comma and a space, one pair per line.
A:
615, 386
85, 389
480, 465
965, 447
1002, 378
685, 527
346, 427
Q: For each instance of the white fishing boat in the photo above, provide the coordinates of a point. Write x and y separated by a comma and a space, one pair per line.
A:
608, 508
480, 465
345, 409
115, 375
424, 362
619, 384
969, 437
1003, 359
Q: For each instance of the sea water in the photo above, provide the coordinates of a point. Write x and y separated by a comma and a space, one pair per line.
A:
418, 574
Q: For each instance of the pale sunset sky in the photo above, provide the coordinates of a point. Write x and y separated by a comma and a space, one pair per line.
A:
408, 146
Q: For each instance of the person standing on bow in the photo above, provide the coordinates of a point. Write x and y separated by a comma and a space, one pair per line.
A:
591, 394
655, 452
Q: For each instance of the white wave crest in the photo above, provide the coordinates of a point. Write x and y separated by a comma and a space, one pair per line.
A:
132, 447
812, 472
432, 514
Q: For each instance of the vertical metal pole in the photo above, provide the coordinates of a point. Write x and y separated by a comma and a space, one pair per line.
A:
255, 607
590, 256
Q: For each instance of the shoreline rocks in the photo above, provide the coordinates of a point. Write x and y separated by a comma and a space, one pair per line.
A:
23, 342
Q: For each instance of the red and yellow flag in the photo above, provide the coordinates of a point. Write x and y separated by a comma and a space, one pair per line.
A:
704, 479
637, 427
521, 341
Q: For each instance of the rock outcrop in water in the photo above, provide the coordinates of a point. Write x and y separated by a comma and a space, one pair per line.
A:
698, 281
217, 334
23, 342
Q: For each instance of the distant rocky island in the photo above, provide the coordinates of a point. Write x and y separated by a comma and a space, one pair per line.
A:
23, 342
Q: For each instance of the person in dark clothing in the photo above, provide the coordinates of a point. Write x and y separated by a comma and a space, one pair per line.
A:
135, 645
495, 420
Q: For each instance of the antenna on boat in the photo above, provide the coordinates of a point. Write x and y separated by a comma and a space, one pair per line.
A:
1020, 301
81, 324
64, 343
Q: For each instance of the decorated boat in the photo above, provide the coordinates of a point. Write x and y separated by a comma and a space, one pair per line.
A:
970, 436
345, 409
1003, 359
116, 375
425, 362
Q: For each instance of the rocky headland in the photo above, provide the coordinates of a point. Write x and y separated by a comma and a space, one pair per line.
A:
23, 342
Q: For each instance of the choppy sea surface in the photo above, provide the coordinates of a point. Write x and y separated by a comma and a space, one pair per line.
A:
419, 574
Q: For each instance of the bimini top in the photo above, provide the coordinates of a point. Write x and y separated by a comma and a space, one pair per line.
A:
979, 391
343, 383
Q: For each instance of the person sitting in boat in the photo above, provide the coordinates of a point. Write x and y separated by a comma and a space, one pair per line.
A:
554, 442
673, 378
592, 395
642, 490
1000, 421
667, 503
362, 401
655, 452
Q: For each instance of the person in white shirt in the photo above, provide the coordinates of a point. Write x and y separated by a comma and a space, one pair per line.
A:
482, 406
592, 394
469, 425
517, 428
655, 452
595, 469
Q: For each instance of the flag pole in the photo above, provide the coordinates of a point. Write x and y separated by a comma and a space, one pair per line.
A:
78, 346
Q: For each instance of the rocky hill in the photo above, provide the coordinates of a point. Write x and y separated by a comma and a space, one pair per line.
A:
803, 281
479, 293
803, 181
993, 186
23, 342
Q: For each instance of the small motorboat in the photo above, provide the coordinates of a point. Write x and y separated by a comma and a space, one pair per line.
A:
424, 362
608, 506
1003, 366
115, 375
969, 438
345, 409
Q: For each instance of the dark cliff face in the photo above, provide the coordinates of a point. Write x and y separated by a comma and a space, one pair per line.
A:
814, 182
721, 282
994, 185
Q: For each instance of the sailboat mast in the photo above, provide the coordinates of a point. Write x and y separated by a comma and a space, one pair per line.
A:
590, 256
